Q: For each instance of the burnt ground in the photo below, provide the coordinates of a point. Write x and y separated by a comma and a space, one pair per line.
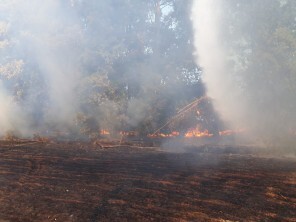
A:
80, 182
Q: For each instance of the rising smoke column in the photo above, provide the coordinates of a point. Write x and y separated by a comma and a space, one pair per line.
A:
212, 57
46, 37
246, 50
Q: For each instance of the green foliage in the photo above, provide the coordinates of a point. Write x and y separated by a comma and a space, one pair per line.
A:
146, 59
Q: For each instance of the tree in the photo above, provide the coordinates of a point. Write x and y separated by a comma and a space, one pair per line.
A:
149, 62
117, 65
262, 47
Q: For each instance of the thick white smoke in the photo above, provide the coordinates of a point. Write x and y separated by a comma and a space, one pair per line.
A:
47, 36
56, 58
212, 57
10, 114
244, 49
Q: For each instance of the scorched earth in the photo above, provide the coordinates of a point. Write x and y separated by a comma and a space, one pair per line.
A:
75, 181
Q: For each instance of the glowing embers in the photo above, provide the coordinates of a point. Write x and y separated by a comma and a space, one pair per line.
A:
104, 132
164, 135
191, 133
197, 133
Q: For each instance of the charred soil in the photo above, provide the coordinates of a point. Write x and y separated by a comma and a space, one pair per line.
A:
75, 181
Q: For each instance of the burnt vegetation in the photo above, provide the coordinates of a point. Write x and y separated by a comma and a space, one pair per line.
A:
82, 182
106, 115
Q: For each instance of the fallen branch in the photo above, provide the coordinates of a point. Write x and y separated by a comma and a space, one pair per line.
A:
182, 112
17, 144
129, 146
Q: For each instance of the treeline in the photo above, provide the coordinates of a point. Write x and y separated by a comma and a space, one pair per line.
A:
86, 65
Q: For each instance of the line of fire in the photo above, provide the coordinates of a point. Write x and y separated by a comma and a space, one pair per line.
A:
147, 110
196, 123
196, 120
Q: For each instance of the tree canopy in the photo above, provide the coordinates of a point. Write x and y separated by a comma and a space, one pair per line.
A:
118, 65
261, 47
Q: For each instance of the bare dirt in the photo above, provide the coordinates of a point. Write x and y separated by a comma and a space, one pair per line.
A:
72, 181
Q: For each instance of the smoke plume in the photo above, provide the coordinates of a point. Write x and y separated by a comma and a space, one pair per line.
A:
79, 65
38, 34
243, 49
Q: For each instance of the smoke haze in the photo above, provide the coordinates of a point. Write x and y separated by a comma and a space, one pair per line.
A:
244, 49
78, 65
37, 35
212, 57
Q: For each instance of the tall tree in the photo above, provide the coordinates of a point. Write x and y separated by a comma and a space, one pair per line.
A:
262, 45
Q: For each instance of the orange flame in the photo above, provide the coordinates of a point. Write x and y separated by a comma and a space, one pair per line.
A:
164, 135
191, 133
104, 132
197, 133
